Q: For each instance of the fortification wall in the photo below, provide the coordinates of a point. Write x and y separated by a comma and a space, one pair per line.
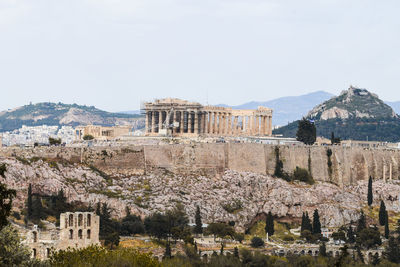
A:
348, 164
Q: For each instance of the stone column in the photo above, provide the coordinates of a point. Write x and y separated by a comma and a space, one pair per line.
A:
223, 124
390, 171
206, 121
251, 125
262, 125
196, 122
153, 121
229, 129
384, 172
147, 121
220, 122
235, 125
167, 120
160, 120
266, 126
270, 125
215, 123
182, 123
189, 122
257, 125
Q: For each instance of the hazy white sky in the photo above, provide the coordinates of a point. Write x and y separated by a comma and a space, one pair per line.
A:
115, 53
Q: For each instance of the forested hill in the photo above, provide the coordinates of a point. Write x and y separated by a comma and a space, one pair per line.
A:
62, 114
355, 114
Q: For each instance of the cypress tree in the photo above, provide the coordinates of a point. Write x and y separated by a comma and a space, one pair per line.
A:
167, 253
350, 235
236, 252
303, 219
199, 225
361, 223
392, 251
98, 209
382, 213
269, 224
370, 197
387, 226
360, 255
322, 250
308, 223
29, 203
397, 231
316, 229
37, 209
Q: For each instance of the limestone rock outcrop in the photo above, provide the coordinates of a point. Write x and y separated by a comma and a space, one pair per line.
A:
231, 196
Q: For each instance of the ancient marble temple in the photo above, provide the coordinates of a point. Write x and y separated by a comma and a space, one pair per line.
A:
178, 117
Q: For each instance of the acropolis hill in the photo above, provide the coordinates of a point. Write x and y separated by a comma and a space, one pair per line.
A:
152, 178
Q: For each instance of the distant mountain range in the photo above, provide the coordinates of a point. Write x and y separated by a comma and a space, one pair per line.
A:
289, 108
355, 114
63, 114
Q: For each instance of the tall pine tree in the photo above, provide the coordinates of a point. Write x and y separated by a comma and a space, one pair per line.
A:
306, 223
316, 229
382, 213
350, 235
269, 224
37, 209
322, 250
361, 223
387, 226
167, 253
198, 229
29, 203
306, 132
370, 196
303, 219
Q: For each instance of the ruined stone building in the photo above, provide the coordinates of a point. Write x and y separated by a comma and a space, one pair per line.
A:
102, 132
77, 230
177, 117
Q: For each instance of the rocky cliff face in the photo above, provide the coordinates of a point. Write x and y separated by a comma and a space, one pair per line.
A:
352, 103
223, 196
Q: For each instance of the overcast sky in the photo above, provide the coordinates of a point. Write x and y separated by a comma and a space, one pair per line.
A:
115, 53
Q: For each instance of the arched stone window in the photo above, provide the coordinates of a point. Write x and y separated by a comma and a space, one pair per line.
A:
34, 252
66, 222
71, 220
80, 233
89, 217
71, 234
88, 234
34, 237
47, 252
80, 219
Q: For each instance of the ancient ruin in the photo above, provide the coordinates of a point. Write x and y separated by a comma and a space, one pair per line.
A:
176, 117
102, 132
77, 230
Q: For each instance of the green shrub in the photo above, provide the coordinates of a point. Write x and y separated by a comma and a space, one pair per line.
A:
288, 238
3, 169
233, 207
257, 242
97, 256
22, 160
54, 141
16, 215
302, 175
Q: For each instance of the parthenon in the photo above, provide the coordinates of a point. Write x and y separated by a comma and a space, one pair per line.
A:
178, 117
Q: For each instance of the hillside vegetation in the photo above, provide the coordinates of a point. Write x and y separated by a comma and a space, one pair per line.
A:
61, 114
355, 114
